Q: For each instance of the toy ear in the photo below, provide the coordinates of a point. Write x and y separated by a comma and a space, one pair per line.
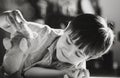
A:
7, 43
4, 20
23, 45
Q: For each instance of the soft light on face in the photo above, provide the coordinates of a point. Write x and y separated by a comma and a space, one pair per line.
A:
67, 51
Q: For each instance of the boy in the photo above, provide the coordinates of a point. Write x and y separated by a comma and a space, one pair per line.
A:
37, 50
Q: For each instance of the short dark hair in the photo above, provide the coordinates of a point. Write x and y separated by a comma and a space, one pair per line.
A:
91, 31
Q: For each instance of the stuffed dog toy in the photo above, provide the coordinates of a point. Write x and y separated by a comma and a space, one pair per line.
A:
18, 41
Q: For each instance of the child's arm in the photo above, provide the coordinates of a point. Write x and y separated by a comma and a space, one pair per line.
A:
79, 73
37, 72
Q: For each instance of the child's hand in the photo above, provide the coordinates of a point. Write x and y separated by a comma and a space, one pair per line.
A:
81, 73
66, 76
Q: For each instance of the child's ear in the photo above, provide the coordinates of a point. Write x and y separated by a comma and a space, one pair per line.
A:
23, 45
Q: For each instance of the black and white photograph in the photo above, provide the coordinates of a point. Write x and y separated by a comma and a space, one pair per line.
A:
59, 38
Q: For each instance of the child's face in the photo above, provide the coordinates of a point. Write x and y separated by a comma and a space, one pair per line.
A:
67, 51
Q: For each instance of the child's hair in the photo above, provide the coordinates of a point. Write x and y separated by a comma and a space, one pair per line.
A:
92, 34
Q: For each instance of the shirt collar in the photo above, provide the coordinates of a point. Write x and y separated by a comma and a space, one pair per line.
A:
53, 46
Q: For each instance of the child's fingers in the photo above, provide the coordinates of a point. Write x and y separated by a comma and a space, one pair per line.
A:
78, 74
66, 76
83, 73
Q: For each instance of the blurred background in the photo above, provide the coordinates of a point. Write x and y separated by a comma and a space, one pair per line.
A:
57, 14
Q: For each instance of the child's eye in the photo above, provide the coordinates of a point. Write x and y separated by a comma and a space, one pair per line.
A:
77, 54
